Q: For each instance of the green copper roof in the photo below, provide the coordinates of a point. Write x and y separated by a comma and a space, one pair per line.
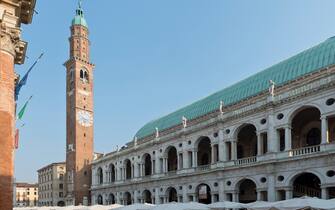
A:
79, 19
306, 62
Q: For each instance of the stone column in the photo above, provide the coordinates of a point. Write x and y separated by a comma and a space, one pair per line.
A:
119, 174
212, 153
157, 167
324, 193
234, 150
166, 164
271, 188
221, 191
185, 159
324, 128
178, 167
157, 196
7, 118
136, 170
259, 144
194, 158
288, 194
288, 138
135, 196
221, 147
153, 167
235, 197
273, 141
259, 195
213, 198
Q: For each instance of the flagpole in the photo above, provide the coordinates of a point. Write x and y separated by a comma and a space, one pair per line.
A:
23, 81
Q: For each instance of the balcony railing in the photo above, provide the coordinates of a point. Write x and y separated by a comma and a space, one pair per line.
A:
245, 161
203, 168
304, 151
303, 190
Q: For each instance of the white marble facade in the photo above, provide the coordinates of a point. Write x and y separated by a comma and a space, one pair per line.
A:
264, 148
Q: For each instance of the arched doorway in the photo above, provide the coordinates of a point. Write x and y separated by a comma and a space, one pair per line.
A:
146, 196
127, 198
127, 164
100, 200
147, 164
247, 141
111, 198
172, 159
204, 151
100, 175
204, 194
172, 194
61, 203
307, 184
247, 191
112, 172
306, 128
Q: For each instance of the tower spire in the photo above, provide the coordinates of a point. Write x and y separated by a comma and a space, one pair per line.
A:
79, 19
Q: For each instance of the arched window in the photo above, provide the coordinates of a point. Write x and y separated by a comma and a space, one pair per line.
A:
81, 74
86, 77
100, 176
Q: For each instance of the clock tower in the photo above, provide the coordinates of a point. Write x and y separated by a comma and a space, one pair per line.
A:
79, 113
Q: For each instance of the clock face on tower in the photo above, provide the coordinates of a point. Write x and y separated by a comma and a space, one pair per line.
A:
84, 118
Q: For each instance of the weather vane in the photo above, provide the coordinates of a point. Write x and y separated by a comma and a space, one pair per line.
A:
80, 3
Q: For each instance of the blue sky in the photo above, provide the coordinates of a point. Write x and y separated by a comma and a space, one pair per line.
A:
153, 57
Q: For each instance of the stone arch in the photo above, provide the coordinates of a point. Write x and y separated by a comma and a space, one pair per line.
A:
247, 190
147, 196
172, 194
128, 171
290, 179
146, 158
203, 192
204, 155
306, 183
100, 200
306, 126
171, 153
111, 198
246, 140
127, 198
235, 130
100, 175
298, 108
112, 172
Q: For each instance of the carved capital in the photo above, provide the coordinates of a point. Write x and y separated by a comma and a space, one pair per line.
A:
10, 42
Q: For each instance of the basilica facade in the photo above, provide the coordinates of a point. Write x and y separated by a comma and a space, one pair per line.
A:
268, 137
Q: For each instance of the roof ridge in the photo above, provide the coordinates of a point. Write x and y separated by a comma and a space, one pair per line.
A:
281, 73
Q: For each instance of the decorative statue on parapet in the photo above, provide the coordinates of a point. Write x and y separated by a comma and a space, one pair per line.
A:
157, 133
221, 107
135, 141
272, 88
184, 120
